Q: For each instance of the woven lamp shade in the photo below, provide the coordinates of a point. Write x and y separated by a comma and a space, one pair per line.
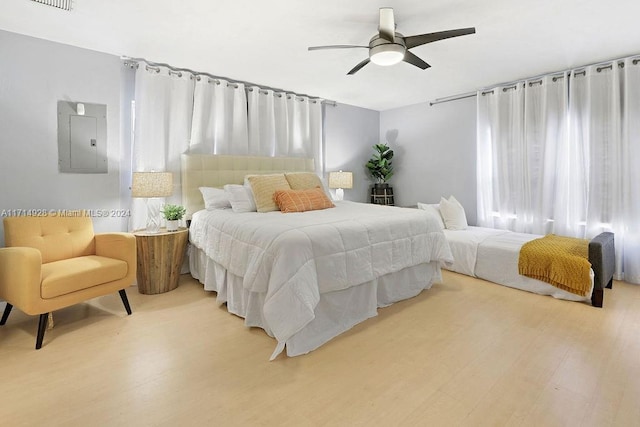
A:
340, 179
152, 184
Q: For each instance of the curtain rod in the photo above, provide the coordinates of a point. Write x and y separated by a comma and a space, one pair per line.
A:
133, 63
452, 98
579, 70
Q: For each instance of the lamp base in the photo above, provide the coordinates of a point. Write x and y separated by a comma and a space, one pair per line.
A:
153, 216
339, 194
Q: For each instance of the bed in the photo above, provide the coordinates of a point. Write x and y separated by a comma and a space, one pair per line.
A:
305, 277
492, 255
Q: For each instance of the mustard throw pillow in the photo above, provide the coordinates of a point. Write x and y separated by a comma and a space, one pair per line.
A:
264, 187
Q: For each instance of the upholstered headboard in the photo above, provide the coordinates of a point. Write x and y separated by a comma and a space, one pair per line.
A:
207, 170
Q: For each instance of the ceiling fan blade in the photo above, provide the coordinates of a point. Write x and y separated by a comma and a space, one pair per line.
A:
336, 46
387, 25
414, 60
358, 67
413, 41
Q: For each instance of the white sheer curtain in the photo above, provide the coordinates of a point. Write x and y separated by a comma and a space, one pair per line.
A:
282, 124
263, 132
163, 111
545, 141
630, 165
521, 130
604, 115
559, 156
595, 133
500, 156
219, 124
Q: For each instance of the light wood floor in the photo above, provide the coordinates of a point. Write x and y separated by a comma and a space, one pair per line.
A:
465, 352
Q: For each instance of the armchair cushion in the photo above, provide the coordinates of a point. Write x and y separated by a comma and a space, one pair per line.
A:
71, 275
55, 237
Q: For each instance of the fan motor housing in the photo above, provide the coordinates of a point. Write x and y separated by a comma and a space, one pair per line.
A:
379, 41
380, 47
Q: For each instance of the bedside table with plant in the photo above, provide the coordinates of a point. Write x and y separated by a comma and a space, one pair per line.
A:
160, 254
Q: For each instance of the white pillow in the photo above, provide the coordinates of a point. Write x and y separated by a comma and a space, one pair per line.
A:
433, 210
241, 198
214, 198
453, 214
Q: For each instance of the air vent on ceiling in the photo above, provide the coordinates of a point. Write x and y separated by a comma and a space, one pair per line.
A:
60, 4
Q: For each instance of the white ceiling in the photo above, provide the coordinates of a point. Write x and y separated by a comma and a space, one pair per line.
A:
265, 42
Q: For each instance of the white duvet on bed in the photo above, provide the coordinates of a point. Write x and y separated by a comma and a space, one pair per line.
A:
492, 255
293, 258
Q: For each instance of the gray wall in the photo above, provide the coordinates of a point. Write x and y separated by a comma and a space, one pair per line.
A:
349, 134
34, 75
435, 152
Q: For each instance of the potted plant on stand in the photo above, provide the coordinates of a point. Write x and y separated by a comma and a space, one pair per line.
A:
173, 214
381, 170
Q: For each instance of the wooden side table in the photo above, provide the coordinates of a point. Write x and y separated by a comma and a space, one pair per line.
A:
160, 259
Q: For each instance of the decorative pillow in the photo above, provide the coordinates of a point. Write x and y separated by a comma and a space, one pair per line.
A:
305, 181
453, 214
432, 209
214, 198
302, 200
241, 198
264, 188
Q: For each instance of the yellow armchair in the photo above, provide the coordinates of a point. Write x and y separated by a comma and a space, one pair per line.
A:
54, 262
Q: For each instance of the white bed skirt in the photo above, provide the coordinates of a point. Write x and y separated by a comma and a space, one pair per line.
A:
336, 311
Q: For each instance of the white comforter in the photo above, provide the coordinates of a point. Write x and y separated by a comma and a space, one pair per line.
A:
295, 257
492, 255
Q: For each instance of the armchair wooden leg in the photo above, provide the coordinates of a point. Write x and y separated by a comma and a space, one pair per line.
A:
5, 315
42, 326
125, 300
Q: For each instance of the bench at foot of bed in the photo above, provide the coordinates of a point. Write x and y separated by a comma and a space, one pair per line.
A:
602, 256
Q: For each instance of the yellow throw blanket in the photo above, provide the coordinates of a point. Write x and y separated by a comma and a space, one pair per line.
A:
561, 261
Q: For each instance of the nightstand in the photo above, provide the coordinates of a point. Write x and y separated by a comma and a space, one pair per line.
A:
160, 259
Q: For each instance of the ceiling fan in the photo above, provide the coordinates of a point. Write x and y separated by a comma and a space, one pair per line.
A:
389, 47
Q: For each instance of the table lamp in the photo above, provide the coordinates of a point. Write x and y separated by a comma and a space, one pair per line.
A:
340, 180
150, 185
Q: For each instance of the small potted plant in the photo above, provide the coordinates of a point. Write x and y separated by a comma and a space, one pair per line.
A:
173, 214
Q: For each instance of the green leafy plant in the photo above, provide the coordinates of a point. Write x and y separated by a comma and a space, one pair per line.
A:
380, 165
173, 212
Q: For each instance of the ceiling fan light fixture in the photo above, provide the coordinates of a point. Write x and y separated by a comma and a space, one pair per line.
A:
389, 47
387, 54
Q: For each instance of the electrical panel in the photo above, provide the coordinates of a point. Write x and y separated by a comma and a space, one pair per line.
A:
82, 137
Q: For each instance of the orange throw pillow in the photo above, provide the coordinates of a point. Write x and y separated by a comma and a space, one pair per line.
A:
312, 199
